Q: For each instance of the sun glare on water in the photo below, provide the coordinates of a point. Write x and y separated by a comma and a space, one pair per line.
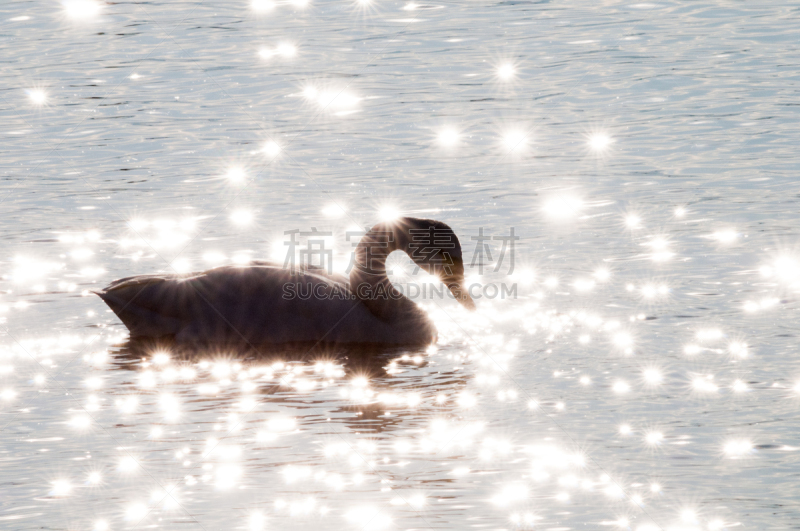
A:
563, 207
37, 96
82, 9
506, 71
448, 137
615, 333
600, 141
515, 140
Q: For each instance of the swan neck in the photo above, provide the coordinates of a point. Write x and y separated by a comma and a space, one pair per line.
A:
368, 279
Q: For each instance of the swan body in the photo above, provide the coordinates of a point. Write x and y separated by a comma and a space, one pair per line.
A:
265, 303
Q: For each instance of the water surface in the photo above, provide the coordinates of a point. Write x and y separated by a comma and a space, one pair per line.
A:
645, 376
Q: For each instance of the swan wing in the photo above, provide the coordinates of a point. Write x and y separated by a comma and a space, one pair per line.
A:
249, 302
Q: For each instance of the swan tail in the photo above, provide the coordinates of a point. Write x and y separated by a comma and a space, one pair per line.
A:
139, 320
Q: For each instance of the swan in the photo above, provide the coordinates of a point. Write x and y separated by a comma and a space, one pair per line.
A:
266, 303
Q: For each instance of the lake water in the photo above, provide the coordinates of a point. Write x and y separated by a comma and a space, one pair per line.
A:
644, 377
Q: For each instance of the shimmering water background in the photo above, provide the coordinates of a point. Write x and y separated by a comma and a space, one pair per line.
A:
645, 154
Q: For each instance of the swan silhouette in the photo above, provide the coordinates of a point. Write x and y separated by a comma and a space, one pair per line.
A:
265, 303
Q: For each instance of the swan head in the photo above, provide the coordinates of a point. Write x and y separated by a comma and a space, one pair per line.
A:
435, 248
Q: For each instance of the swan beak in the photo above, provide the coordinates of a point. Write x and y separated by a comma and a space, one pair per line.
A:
461, 294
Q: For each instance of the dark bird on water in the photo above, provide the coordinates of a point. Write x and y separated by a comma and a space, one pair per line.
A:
266, 303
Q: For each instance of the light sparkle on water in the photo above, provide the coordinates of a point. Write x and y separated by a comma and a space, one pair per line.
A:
235, 175
738, 447
61, 487
271, 149
506, 71
725, 237
334, 210
653, 376
37, 96
284, 49
563, 207
388, 213
82, 9
166, 396
242, 217
515, 140
633, 221
448, 137
262, 6
338, 101
599, 141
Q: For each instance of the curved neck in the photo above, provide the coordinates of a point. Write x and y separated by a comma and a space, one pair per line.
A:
368, 279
